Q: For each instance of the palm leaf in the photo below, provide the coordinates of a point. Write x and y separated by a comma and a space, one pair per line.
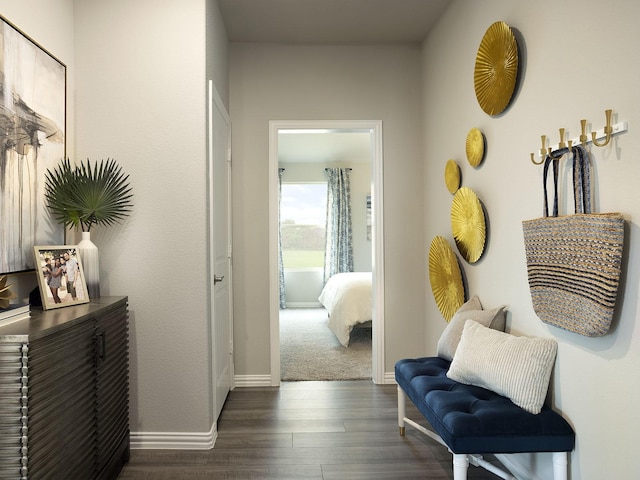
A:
88, 195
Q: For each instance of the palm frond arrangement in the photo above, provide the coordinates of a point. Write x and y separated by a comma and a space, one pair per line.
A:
86, 195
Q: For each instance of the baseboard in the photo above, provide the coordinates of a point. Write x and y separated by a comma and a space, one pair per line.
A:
303, 305
174, 440
252, 380
389, 378
265, 380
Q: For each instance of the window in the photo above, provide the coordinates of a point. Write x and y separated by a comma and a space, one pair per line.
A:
303, 212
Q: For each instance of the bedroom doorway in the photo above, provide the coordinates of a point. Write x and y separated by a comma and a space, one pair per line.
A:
370, 234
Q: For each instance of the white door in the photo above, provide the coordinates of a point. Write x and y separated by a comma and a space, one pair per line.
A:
220, 249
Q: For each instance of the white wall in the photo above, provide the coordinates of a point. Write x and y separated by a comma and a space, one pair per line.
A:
278, 82
136, 92
302, 287
580, 58
217, 53
141, 99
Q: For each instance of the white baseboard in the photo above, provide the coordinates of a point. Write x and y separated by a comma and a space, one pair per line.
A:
174, 440
303, 305
390, 378
265, 380
252, 380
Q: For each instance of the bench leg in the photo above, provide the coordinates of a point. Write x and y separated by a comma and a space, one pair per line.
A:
560, 465
401, 410
460, 466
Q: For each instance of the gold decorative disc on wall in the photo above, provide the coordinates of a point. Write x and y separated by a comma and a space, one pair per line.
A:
452, 176
445, 277
496, 68
475, 147
468, 224
5, 292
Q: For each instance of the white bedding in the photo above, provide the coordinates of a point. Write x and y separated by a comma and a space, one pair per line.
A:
347, 298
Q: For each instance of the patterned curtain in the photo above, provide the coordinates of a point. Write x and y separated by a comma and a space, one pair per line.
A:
338, 255
280, 263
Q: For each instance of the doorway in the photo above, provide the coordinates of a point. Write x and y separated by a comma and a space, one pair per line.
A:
374, 129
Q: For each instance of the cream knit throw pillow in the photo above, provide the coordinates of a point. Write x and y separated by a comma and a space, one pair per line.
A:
516, 367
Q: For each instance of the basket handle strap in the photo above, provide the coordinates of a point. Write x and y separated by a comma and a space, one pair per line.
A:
550, 161
581, 180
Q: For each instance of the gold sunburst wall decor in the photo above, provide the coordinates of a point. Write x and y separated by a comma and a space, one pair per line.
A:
475, 147
5, 292
496, 68
445, 277
452, 176
468, 224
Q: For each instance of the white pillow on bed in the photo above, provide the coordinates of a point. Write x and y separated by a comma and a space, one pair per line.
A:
516, 367
471, 310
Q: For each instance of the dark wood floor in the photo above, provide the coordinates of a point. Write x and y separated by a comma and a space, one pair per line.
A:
307, 430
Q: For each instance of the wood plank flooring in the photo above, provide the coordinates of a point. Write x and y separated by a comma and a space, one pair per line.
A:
307, 430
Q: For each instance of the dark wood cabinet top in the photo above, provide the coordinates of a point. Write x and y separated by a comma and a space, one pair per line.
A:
46, 322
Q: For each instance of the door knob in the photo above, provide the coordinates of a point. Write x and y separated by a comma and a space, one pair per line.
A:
217, 278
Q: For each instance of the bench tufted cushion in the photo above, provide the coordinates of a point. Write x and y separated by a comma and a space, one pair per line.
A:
471, 419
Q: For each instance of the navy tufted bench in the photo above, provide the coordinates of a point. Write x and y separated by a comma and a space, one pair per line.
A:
471, 421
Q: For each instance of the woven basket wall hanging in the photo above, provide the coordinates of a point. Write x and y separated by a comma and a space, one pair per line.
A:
574, 261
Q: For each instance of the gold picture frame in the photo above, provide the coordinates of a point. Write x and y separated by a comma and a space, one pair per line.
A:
60, 276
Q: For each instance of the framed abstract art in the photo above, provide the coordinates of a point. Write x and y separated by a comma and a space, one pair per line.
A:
32, 139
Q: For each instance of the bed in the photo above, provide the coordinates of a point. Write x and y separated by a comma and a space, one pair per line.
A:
347, 298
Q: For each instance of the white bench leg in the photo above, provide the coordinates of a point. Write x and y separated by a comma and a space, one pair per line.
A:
460, 466
560, 465
401, 410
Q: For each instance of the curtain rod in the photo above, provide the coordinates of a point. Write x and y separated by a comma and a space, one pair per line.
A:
339, 167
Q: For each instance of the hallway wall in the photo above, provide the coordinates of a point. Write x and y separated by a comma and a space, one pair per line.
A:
579, 58
286, 82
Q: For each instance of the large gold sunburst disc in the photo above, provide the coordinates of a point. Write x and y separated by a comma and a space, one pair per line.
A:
468, 224
445, 277
496, 68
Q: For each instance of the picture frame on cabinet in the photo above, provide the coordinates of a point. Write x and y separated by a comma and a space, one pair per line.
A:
60, 276
33, 135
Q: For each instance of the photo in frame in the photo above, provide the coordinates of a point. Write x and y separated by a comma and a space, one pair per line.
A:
32, 139
60, 276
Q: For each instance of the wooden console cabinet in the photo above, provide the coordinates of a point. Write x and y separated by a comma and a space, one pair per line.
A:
64, 393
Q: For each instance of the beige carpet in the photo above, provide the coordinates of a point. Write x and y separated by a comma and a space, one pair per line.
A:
310, 351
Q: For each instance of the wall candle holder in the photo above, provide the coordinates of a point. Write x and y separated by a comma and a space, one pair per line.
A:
605, 134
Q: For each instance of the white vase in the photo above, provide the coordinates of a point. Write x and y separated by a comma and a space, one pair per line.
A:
88, 252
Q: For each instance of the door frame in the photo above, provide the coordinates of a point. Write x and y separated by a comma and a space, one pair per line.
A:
214, 101
377, 236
